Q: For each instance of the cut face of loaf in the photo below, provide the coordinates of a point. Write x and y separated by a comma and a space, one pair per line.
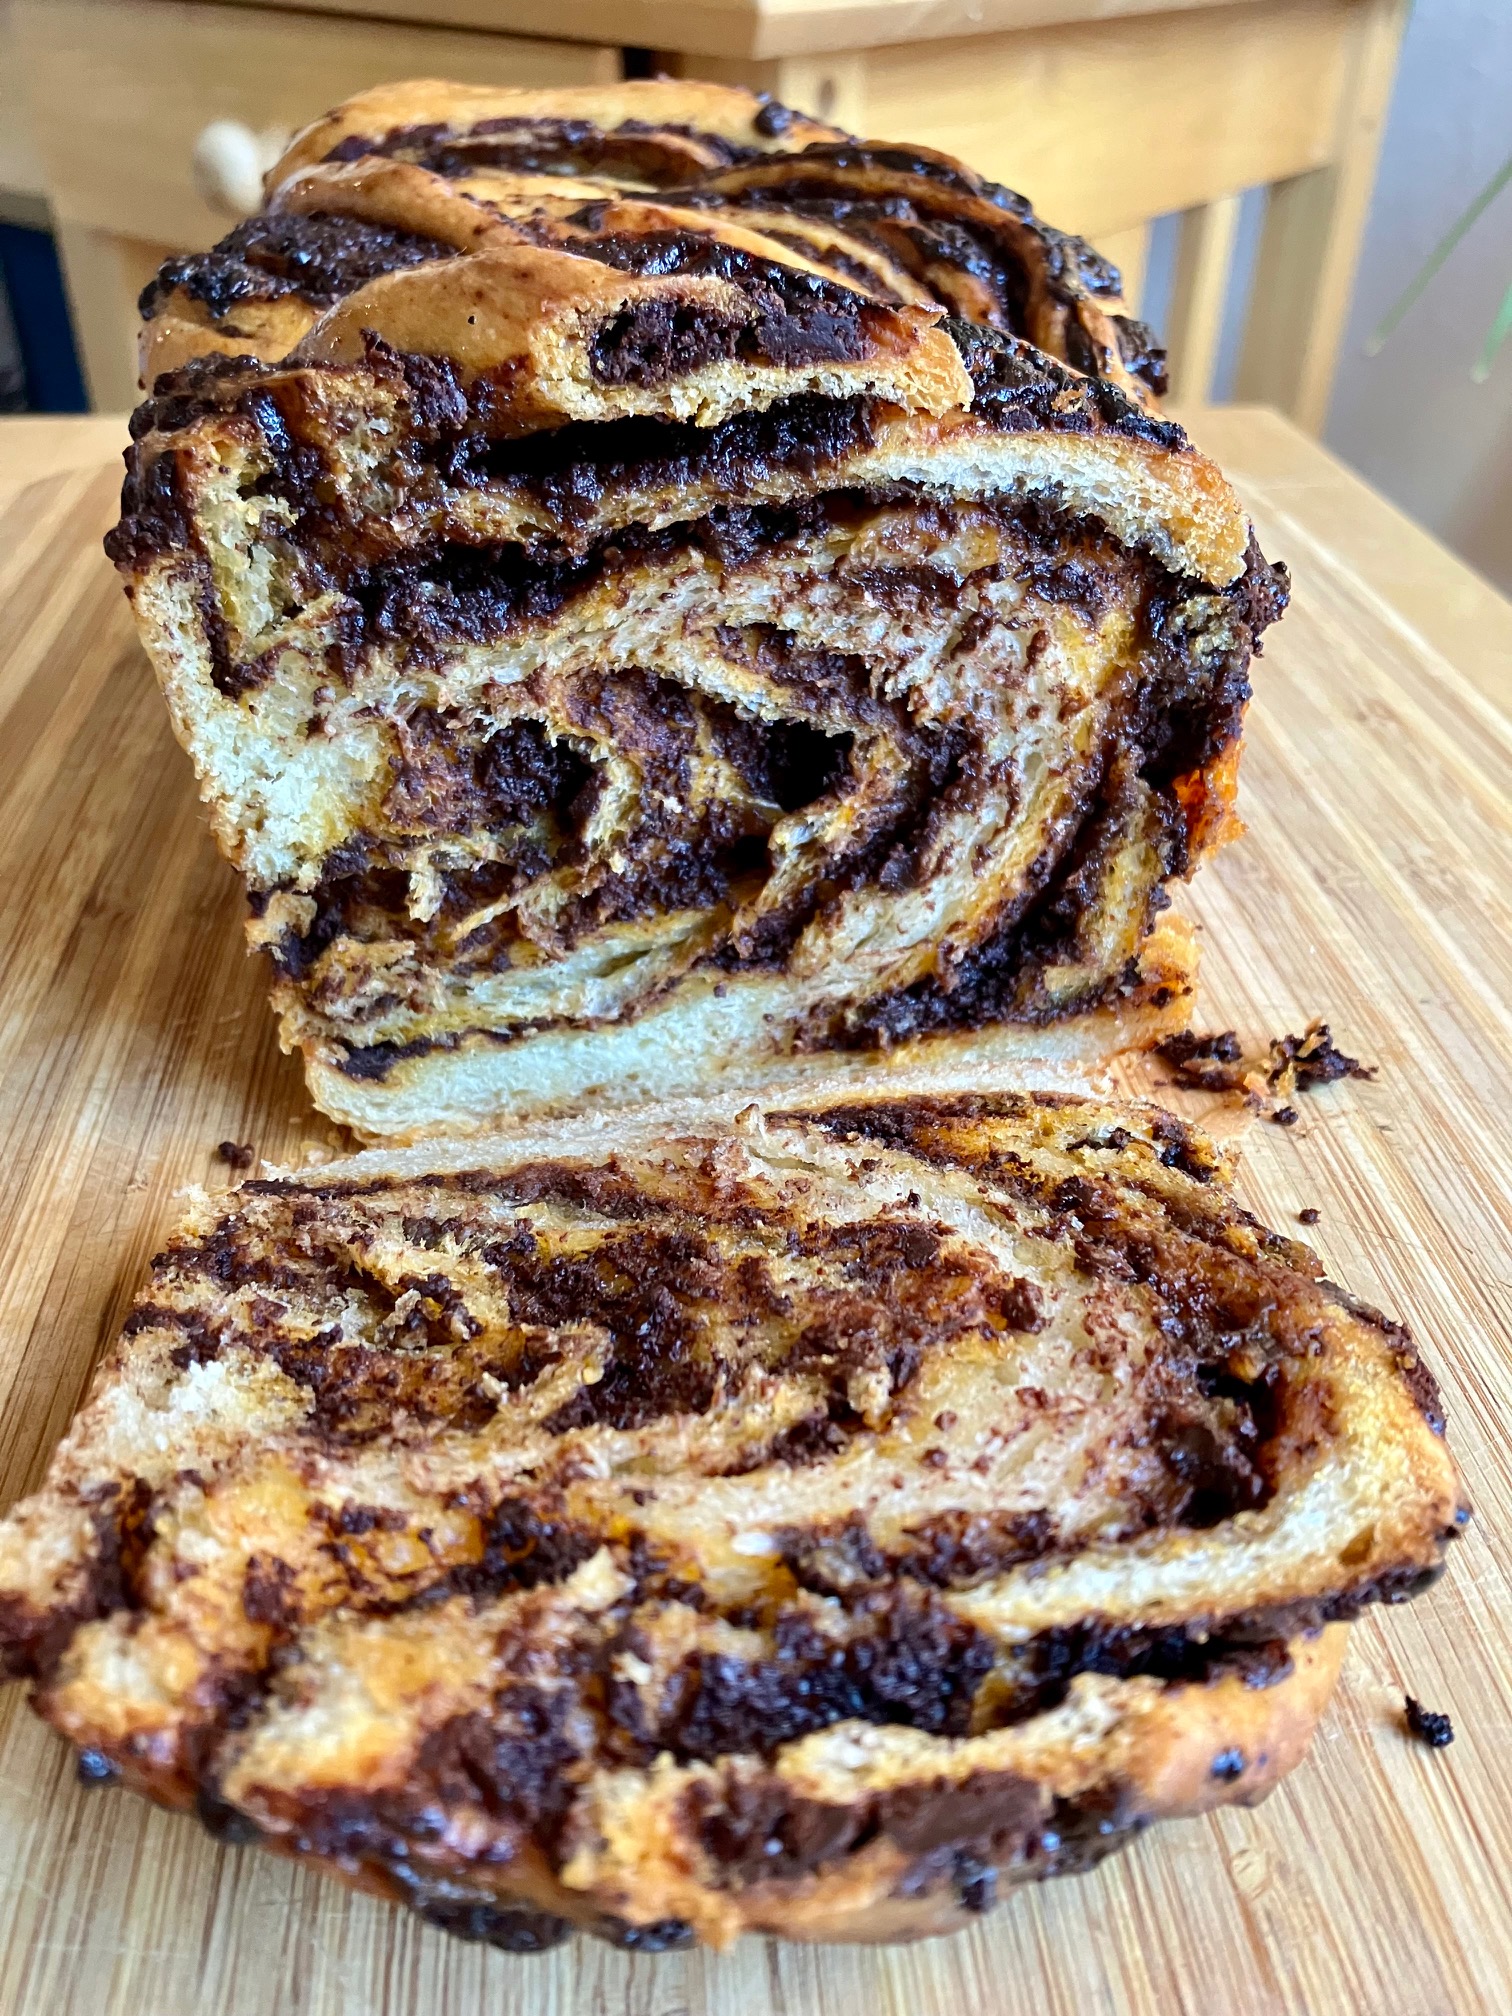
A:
813, 1523
628, 651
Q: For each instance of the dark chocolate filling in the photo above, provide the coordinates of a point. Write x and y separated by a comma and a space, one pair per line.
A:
1143, 352
653, 341
319, 257
890, 1291
978, 280
456, 428
533, 794
868, 188
867, 279
1017, 388
572, 469
437, 598
645, 152
795, 318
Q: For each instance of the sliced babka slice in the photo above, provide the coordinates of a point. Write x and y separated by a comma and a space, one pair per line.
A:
625, 658
813, 1523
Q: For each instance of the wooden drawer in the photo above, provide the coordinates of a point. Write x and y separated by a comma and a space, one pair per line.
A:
121, 90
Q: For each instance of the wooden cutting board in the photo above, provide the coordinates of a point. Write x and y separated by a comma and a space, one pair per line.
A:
1375, 887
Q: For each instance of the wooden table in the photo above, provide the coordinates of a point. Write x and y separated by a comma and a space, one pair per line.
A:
1373, 887
1108, 113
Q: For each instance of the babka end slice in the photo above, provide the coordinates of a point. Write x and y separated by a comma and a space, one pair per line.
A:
813, 1521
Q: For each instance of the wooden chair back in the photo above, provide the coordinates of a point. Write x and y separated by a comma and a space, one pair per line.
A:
1108, 125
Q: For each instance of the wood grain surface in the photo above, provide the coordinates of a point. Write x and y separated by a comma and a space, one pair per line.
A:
1375, 886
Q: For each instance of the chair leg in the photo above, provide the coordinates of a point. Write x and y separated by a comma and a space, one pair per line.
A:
1195, 325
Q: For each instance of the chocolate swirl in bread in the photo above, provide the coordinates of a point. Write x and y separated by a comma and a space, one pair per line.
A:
631, 638
813, 1524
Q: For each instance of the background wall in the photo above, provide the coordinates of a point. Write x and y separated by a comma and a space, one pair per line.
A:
1411, 420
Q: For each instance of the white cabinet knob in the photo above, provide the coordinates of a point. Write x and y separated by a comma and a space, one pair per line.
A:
229, 163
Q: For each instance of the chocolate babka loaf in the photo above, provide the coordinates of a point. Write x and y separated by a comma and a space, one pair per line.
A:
660, 595
814, 1522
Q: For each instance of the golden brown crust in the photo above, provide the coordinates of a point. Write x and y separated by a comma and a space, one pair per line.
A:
377, 190
680, 111
811, 1520
184, 330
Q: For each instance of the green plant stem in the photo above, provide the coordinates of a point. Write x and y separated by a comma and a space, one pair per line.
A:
1420, 281
1498, 333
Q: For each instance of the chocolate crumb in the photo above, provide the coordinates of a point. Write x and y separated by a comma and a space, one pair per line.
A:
1309, 1215
773, 120
1315, 1059
1213, 1063
945, 1420
936, 1458
1288, 1065
94, 1768
1437, 1731
1285, 1116
1186, 1045
976, 1883
236, 1154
